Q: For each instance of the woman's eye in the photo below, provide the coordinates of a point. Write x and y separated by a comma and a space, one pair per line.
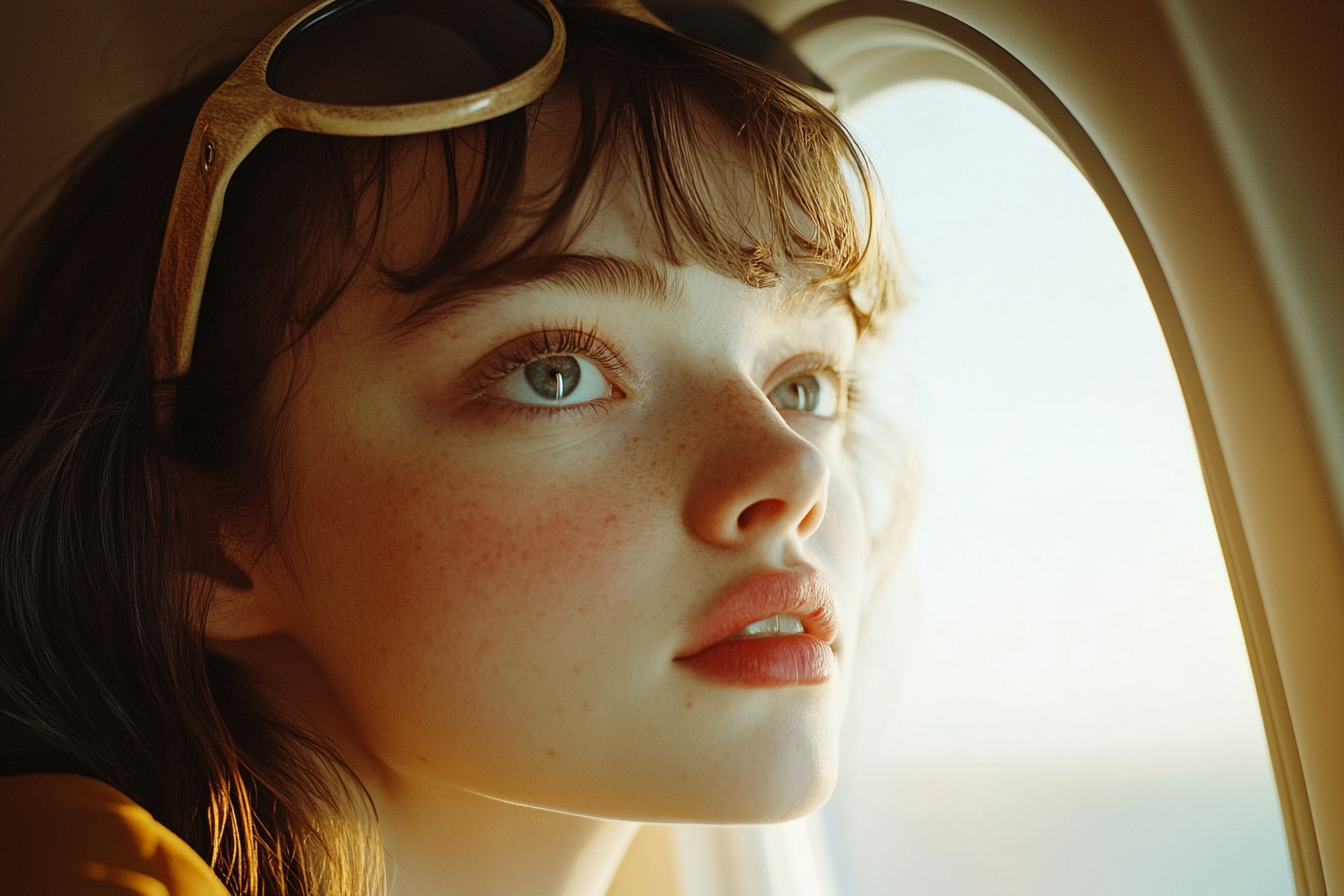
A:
810, 393
555, 380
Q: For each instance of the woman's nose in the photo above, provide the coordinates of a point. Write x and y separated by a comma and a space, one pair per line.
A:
757, 479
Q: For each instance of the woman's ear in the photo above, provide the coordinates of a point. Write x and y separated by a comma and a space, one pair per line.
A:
238, 609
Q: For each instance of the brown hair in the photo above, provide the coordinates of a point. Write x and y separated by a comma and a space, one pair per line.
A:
106, 522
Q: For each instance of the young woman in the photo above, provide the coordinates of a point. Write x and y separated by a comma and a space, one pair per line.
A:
508, 497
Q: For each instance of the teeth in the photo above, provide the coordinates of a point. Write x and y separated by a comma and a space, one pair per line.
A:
772, 627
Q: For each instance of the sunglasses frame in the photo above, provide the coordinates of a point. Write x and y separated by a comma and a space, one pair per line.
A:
238, 115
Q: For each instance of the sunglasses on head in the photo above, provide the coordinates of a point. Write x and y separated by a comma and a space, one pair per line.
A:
380, 68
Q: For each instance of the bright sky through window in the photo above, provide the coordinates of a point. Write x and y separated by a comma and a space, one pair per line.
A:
1063, 702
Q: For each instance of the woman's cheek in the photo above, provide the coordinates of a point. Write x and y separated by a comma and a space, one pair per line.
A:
440, 535
452, 589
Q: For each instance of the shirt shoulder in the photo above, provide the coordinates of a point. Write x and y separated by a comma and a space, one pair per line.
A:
74, 836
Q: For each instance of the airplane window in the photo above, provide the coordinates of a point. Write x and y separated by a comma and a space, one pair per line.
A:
1057, 697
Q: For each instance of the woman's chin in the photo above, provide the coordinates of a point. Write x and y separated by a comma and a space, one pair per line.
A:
759, 792
750, 806
759, 786
780, 800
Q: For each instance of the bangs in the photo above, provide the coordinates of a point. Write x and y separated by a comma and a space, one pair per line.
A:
738, 168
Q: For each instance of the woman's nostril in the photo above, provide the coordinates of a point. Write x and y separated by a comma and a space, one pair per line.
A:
760, 513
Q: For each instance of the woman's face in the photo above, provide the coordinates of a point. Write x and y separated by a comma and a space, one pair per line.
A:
510, 532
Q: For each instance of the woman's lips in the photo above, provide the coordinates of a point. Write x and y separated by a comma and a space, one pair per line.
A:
767, 662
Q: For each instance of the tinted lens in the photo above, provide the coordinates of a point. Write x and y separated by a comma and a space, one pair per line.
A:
389, 52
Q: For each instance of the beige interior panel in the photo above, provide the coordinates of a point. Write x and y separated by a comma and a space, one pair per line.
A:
1242, 258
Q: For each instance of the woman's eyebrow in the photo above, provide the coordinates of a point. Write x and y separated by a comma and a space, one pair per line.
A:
627, 277
605, 274
811, 299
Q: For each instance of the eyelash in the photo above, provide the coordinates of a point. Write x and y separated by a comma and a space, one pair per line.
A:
855, 396
586, 341
846, 381
578, 340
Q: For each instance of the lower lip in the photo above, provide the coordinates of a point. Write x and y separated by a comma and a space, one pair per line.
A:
777, 662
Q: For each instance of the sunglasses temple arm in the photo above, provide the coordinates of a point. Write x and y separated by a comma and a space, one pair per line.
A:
219, 142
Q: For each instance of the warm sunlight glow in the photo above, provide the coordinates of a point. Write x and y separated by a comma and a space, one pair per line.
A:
1060, 699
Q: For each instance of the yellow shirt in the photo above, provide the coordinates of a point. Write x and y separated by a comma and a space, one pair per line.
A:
67, 835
